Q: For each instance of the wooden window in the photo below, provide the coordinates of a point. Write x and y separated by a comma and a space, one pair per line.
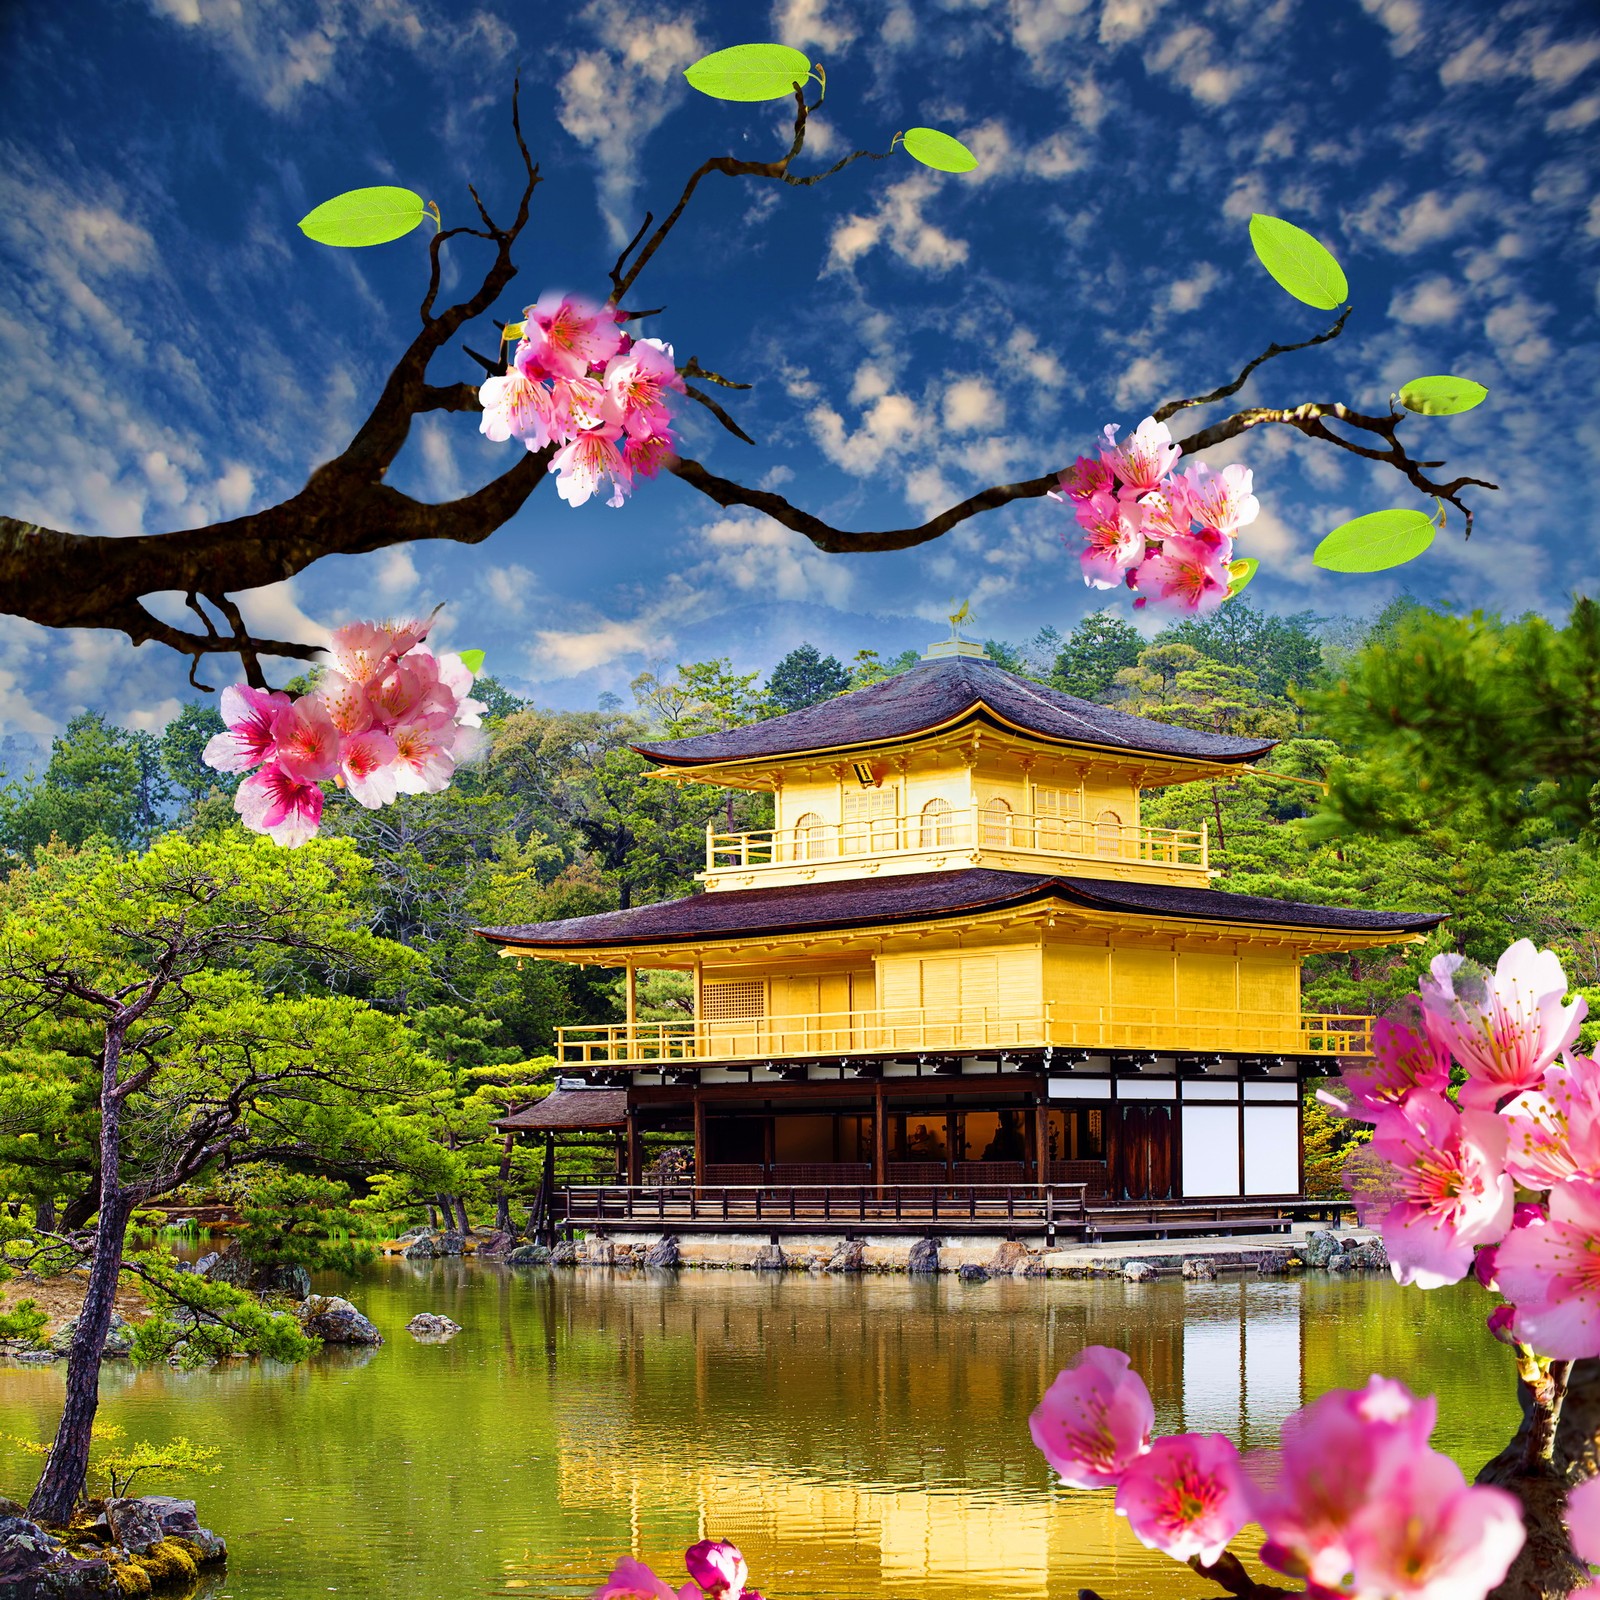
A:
1057, 811
734, 1002
810, 838
1108, 834
997, 822
870, 816
938, 826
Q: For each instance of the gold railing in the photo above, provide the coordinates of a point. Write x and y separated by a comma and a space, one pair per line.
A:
907, 1029
963, 828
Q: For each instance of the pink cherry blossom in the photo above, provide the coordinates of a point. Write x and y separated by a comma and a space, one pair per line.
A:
1405, 1057
584, 461
1583, 1520
1550, 1270
1114, 544
1145, 459
277, 803
1221, 500
1166, 511
567, 336
644, 458
346, 702
1094, 1420
1333, 1452
1450, 1192
1504, 1027
367, 764
1555, 1131
587, 404
1186, 1496
359, 650
458, 678
718, 1568
411, 691
1424, 1535
633, 1580
638, 382
249, 740
1086, 477
306, 739
1183, 576
424, 758
517, 407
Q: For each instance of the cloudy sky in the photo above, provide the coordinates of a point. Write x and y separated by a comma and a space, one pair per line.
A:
177, 352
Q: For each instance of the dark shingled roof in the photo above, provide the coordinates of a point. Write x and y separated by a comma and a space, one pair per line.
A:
571, 1109
806, 907
940, 692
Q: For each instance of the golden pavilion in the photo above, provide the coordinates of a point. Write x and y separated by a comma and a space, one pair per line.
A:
959, 957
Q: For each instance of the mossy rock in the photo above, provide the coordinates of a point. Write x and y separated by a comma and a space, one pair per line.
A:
130, 1578
169, 1564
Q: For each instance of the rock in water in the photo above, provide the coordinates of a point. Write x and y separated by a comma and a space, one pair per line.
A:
1321, 1247
529, 1255
292, 1281
973, 1273
119, 1337
1138, 1271
335, 1321
596, 1251
769, 1258
178, 1521
431, 1328
849, 1255
135, 1525
492, 1243
924, 1257
1274, 1263
450, 1243
565, 1254
1011, 1255
663, 1253
1198, 1268
420, 1249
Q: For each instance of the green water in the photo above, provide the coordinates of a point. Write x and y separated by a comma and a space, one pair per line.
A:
858, 1437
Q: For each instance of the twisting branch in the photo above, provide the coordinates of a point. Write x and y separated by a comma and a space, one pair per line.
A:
1173, 407
716, 410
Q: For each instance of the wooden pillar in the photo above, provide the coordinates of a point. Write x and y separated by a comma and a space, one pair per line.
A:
635, 1149
699, 1007
632, 1002
1041, 1137
699, 1139
880, 1136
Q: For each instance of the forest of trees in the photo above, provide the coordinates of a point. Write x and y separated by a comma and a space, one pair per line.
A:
1481, 803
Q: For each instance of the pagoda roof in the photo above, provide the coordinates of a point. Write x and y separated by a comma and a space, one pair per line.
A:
942, 693
568, 1109
922, 896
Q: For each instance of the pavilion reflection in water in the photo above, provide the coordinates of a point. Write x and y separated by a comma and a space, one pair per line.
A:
825, 1521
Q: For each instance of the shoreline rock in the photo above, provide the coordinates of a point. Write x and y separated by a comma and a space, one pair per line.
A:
427, 1327
335, 1321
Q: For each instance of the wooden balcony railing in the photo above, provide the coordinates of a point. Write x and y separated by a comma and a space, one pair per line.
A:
890, 1031
969, 828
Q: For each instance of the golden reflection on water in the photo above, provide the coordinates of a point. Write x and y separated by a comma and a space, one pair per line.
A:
862, 1438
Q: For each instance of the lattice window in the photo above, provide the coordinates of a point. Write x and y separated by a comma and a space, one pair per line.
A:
810, 838
733, 1002
1059, 812
938, 825
1108, 834
997, 822
869, 820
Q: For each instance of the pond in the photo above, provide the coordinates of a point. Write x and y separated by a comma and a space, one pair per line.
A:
858, 1437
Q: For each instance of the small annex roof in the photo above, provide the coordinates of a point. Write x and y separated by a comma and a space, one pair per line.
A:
570, 1111
941, 693
924, 896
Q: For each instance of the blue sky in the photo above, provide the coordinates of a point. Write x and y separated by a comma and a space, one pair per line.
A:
176, 352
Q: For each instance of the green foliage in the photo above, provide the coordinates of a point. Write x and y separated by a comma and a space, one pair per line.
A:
1329, 1141
181, 753
364, 217
296, 1219
1442, 396
1093, 654
867, 667
199, 1321
1298, 263
1376, 542
118, 1466
805, 677
23, 1322
938, 150
750, 72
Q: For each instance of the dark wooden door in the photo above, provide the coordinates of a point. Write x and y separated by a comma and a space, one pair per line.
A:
1145, 1148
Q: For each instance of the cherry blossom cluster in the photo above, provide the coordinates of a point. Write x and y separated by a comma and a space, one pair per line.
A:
387, 717
578, 381
1501, 1176
1354, 1502
716, 1569
1167, 536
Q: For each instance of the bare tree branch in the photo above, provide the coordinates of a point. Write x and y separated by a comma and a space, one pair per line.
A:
1173, 407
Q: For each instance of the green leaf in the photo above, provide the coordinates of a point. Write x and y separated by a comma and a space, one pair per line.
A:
1302, 265
1442, 396
1379, 540
364, 216
1239, 575
472, 660
750, 72
938, 150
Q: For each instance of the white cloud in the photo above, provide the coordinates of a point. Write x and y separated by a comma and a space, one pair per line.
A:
761, 557
1124, 20
889, 426
1402, 19
395, 574
1188, 55
1433, 216
612, 98
561, 654
898, 223
971, 403
1580, 114
1185, 294
1514, 330
813, 25
1428, 303
1140, 383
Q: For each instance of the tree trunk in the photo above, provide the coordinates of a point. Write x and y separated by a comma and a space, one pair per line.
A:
44, 1215
66, 1469
461, 1211
502, 1208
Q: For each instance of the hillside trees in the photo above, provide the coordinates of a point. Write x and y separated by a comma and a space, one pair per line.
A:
203, 992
